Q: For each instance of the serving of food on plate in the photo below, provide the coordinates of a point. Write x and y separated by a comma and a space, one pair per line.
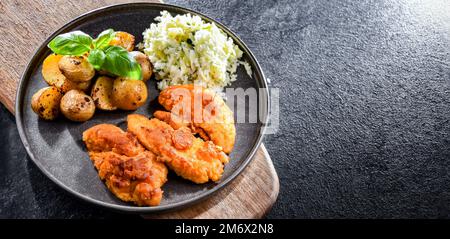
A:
78, 61
142, 109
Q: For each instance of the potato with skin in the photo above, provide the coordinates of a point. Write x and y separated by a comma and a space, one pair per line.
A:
101, 93
76, 68
129, 94
77, 106
67, 85
146, 66
105, 73
45, 102
123, 39
54, 77
50, 70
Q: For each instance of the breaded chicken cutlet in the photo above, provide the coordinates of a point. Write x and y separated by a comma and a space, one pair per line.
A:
203, 109
190, 157
131, 172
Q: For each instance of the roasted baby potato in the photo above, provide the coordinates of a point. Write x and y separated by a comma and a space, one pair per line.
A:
123, 39
83, 86
101, 93
129, 94
67, 85
45, 102
50, 70
77, 106
54, 77
76, 68
143, 60
105, 73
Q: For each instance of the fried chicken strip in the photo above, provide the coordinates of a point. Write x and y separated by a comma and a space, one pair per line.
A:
108, 137
203, 109
190, 157
130, 172
176, 122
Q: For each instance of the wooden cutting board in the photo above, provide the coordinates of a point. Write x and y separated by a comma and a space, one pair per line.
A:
25, 24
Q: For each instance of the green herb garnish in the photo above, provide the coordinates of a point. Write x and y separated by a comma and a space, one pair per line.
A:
118, 60
73, 43
102, 56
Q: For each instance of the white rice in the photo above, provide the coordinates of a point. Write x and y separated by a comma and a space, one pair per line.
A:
186, 50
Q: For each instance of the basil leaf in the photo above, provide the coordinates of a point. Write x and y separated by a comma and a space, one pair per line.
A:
96, 58
104, 38
74, 43
119, 62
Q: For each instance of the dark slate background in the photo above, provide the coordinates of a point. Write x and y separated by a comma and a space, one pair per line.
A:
365, 104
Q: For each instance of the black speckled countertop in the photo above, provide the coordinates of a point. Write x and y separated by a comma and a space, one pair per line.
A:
365, 111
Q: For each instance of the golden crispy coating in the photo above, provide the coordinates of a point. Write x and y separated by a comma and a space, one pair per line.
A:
204, 109
130, 172
135, 179
190, 157
176, 123
108, 137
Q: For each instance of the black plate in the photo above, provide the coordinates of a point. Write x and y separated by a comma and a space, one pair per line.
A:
56, 146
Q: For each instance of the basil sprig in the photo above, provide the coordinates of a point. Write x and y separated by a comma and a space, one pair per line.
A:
97, 58
102, 56
72, 43
117, 60
104, 38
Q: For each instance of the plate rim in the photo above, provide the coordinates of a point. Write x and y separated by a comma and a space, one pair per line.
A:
20, 92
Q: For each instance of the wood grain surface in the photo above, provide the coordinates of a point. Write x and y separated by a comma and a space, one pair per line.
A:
25, 24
